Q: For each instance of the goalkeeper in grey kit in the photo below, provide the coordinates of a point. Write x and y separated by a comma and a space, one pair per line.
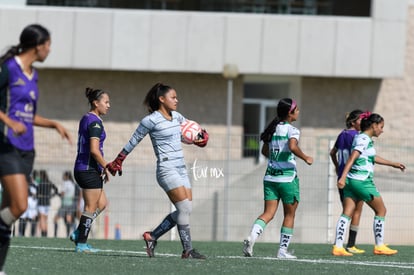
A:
163, 126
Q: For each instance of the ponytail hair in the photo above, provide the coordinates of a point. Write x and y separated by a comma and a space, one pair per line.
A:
31, 36
284, 108
369, 119
14, 50
152, 100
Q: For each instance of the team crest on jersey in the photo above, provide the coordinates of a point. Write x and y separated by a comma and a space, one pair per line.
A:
97, 126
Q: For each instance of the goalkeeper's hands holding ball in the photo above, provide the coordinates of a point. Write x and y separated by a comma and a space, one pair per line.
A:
202, 138
116, 165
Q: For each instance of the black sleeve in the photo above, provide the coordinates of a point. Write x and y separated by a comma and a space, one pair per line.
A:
95, 130
55, 190
4, 76
4, 82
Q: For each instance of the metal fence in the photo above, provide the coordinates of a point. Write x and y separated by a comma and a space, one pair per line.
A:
228, 193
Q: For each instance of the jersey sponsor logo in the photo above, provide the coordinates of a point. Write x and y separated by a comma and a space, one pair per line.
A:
97, 126
28, 108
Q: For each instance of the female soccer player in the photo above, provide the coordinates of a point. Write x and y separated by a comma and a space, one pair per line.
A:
339, 155
163, 125
280, 146
18, 114
358, 184
90, 172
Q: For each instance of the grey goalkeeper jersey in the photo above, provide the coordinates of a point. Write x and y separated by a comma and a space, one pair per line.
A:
165, 136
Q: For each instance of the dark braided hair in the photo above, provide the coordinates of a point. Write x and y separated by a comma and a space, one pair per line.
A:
284, 107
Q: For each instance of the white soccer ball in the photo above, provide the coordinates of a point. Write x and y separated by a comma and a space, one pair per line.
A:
190, 131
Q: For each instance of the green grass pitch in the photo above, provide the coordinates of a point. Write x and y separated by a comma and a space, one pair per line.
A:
57, 256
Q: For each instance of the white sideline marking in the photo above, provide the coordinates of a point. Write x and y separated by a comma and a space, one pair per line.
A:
100, 250
407, 265
325, 261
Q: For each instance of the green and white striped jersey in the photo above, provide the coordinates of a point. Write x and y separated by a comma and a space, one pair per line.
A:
281, 165
363, 166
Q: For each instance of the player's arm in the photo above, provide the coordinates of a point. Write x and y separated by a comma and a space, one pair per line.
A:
382, 161
354, 155
334, 157
142, 130
295, 149
17, 127
96, 154
265, 149
48, 123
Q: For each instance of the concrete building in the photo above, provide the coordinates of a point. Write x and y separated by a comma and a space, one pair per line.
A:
329, 64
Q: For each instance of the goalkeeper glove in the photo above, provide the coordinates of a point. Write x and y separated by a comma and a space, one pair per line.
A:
202, 138
116, 165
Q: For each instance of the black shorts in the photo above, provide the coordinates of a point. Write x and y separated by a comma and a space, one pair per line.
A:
15, 161
88, 179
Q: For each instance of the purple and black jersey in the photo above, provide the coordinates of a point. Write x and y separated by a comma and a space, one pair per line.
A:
90, 126
344, 144
18, 100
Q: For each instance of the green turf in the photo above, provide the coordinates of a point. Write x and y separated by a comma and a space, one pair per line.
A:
57, 256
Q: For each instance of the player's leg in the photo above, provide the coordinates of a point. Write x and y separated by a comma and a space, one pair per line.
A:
56, 220
353, 230
377, 204
68, 221
181, 197
43, 213
91, 197
271, 202
22, 226
102, 202
94, 197
290, 195
151, 237
342, 226
259, 225
14, 203
33, 226
286, 231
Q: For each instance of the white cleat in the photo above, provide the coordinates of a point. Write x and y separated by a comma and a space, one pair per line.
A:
284, 254
247, 248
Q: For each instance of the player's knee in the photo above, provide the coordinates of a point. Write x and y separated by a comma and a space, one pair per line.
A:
19, 208
184, 209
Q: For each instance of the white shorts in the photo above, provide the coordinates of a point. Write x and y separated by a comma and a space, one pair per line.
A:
172, 177
43, 209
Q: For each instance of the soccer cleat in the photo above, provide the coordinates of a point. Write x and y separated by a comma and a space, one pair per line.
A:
384, 250
247, 248
340, 251
284, 254
74, 236
150, 243
355, 250
85, 248
192, 254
